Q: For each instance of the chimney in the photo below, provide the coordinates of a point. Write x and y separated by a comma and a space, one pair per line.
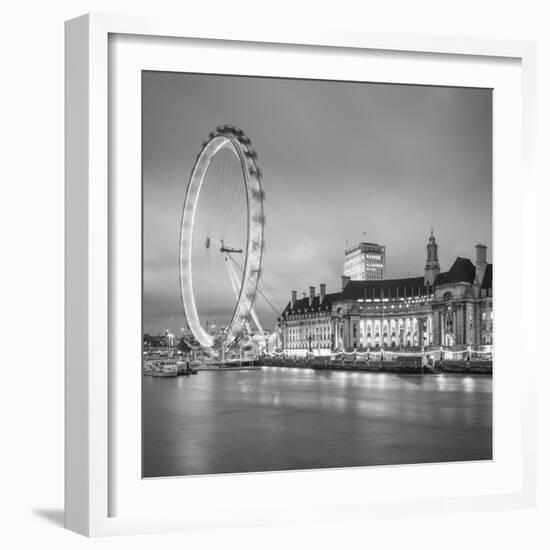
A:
481, 254
481, 263
293, 299
345, 281
311, 295
322, 292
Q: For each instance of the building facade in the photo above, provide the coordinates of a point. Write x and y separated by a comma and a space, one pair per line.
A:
463, 303
453, 310
365, 261
306, 324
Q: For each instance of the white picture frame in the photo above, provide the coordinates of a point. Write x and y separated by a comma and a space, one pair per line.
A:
101, 498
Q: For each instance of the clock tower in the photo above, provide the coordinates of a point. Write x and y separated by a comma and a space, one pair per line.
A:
431, 271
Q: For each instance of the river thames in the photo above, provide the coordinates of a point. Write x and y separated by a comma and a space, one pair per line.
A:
286, 419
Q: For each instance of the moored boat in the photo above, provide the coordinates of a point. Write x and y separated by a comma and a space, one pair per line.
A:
185, 368
160, 368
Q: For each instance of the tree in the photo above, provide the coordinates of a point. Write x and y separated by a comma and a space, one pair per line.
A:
183, 346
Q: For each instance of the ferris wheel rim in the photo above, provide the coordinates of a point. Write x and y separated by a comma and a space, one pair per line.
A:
231, 138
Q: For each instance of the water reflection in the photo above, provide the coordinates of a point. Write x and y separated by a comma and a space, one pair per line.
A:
281, 418
469, 384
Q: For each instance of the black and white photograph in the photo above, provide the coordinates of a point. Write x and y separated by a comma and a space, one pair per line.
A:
249, 290
316, 274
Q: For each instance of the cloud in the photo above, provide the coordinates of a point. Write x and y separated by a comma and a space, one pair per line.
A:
338, 159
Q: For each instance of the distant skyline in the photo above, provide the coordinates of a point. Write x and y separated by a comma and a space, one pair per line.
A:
342, 163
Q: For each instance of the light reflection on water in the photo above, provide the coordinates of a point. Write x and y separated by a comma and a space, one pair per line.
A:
281, 418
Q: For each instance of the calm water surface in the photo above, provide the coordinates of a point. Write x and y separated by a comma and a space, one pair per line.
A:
285, 419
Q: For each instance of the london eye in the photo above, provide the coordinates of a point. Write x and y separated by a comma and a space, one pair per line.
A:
221, 240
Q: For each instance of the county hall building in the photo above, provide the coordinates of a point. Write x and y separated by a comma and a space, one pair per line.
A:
452, 309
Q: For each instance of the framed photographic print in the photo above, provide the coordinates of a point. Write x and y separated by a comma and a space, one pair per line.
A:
289, 271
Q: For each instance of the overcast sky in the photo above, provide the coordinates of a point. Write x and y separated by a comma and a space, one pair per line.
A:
338, 159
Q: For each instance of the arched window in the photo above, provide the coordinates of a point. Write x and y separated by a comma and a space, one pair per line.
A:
447, 296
